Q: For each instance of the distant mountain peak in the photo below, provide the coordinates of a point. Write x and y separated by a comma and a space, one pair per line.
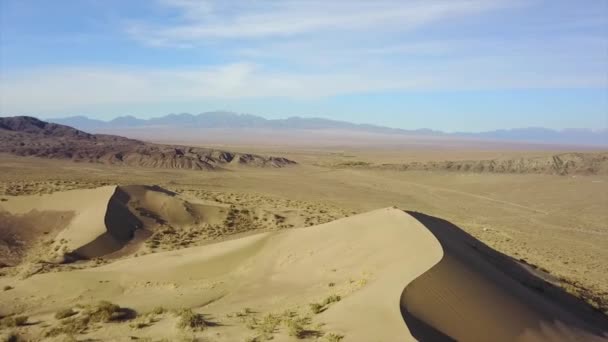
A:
231, 120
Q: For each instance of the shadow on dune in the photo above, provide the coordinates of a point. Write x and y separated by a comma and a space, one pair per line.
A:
478, 294
121, 225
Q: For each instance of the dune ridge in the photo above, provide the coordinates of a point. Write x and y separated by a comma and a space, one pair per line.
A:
477, 294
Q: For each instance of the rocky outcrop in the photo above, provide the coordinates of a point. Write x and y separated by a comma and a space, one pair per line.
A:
28, 136
559, 164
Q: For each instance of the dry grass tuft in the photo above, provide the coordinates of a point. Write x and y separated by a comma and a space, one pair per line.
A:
65, 313
105, 311
187, 319
331, 337
13, 321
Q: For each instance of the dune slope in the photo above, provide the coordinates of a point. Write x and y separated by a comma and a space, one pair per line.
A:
477, 294
386, 275
367, 258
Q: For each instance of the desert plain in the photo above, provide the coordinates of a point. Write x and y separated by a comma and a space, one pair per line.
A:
346, 245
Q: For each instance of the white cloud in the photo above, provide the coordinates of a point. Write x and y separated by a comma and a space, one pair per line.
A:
57, 89
204, 20
65, 89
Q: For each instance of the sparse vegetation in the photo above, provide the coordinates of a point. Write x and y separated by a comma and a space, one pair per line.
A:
65, 313
105, 311
159, 310
353, 164
331, 337
13, 321
269, 323
187, 319
72, 322
69, 326
142, 322
294, 329
332, 299
296, 326
317, 308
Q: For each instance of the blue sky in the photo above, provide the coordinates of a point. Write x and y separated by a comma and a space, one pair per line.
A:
452, 65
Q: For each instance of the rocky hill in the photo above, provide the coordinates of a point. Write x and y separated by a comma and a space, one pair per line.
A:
558, 164
28, 136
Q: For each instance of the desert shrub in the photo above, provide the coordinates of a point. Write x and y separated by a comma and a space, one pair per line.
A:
7, 287
105, 311
159, 310
316, 308
141, 322
191, 320
269, 323
294, 328
298, 326
65, 313
251, 323
69, 326
331, 337
13, 321
332, 299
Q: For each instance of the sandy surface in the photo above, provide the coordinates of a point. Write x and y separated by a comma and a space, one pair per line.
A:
249, 250
367, 258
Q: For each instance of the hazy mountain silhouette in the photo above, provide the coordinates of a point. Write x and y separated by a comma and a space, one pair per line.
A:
221, 119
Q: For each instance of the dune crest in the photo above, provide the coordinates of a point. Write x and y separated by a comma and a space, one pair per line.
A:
477, 294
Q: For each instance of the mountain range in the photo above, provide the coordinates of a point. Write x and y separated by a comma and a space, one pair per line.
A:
225, 120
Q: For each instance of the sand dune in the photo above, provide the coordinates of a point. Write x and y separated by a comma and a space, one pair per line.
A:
87, 209
477, 294
368, 257
386, 275
96, 222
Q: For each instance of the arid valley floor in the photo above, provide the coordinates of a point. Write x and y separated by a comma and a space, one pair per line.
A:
330, 249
